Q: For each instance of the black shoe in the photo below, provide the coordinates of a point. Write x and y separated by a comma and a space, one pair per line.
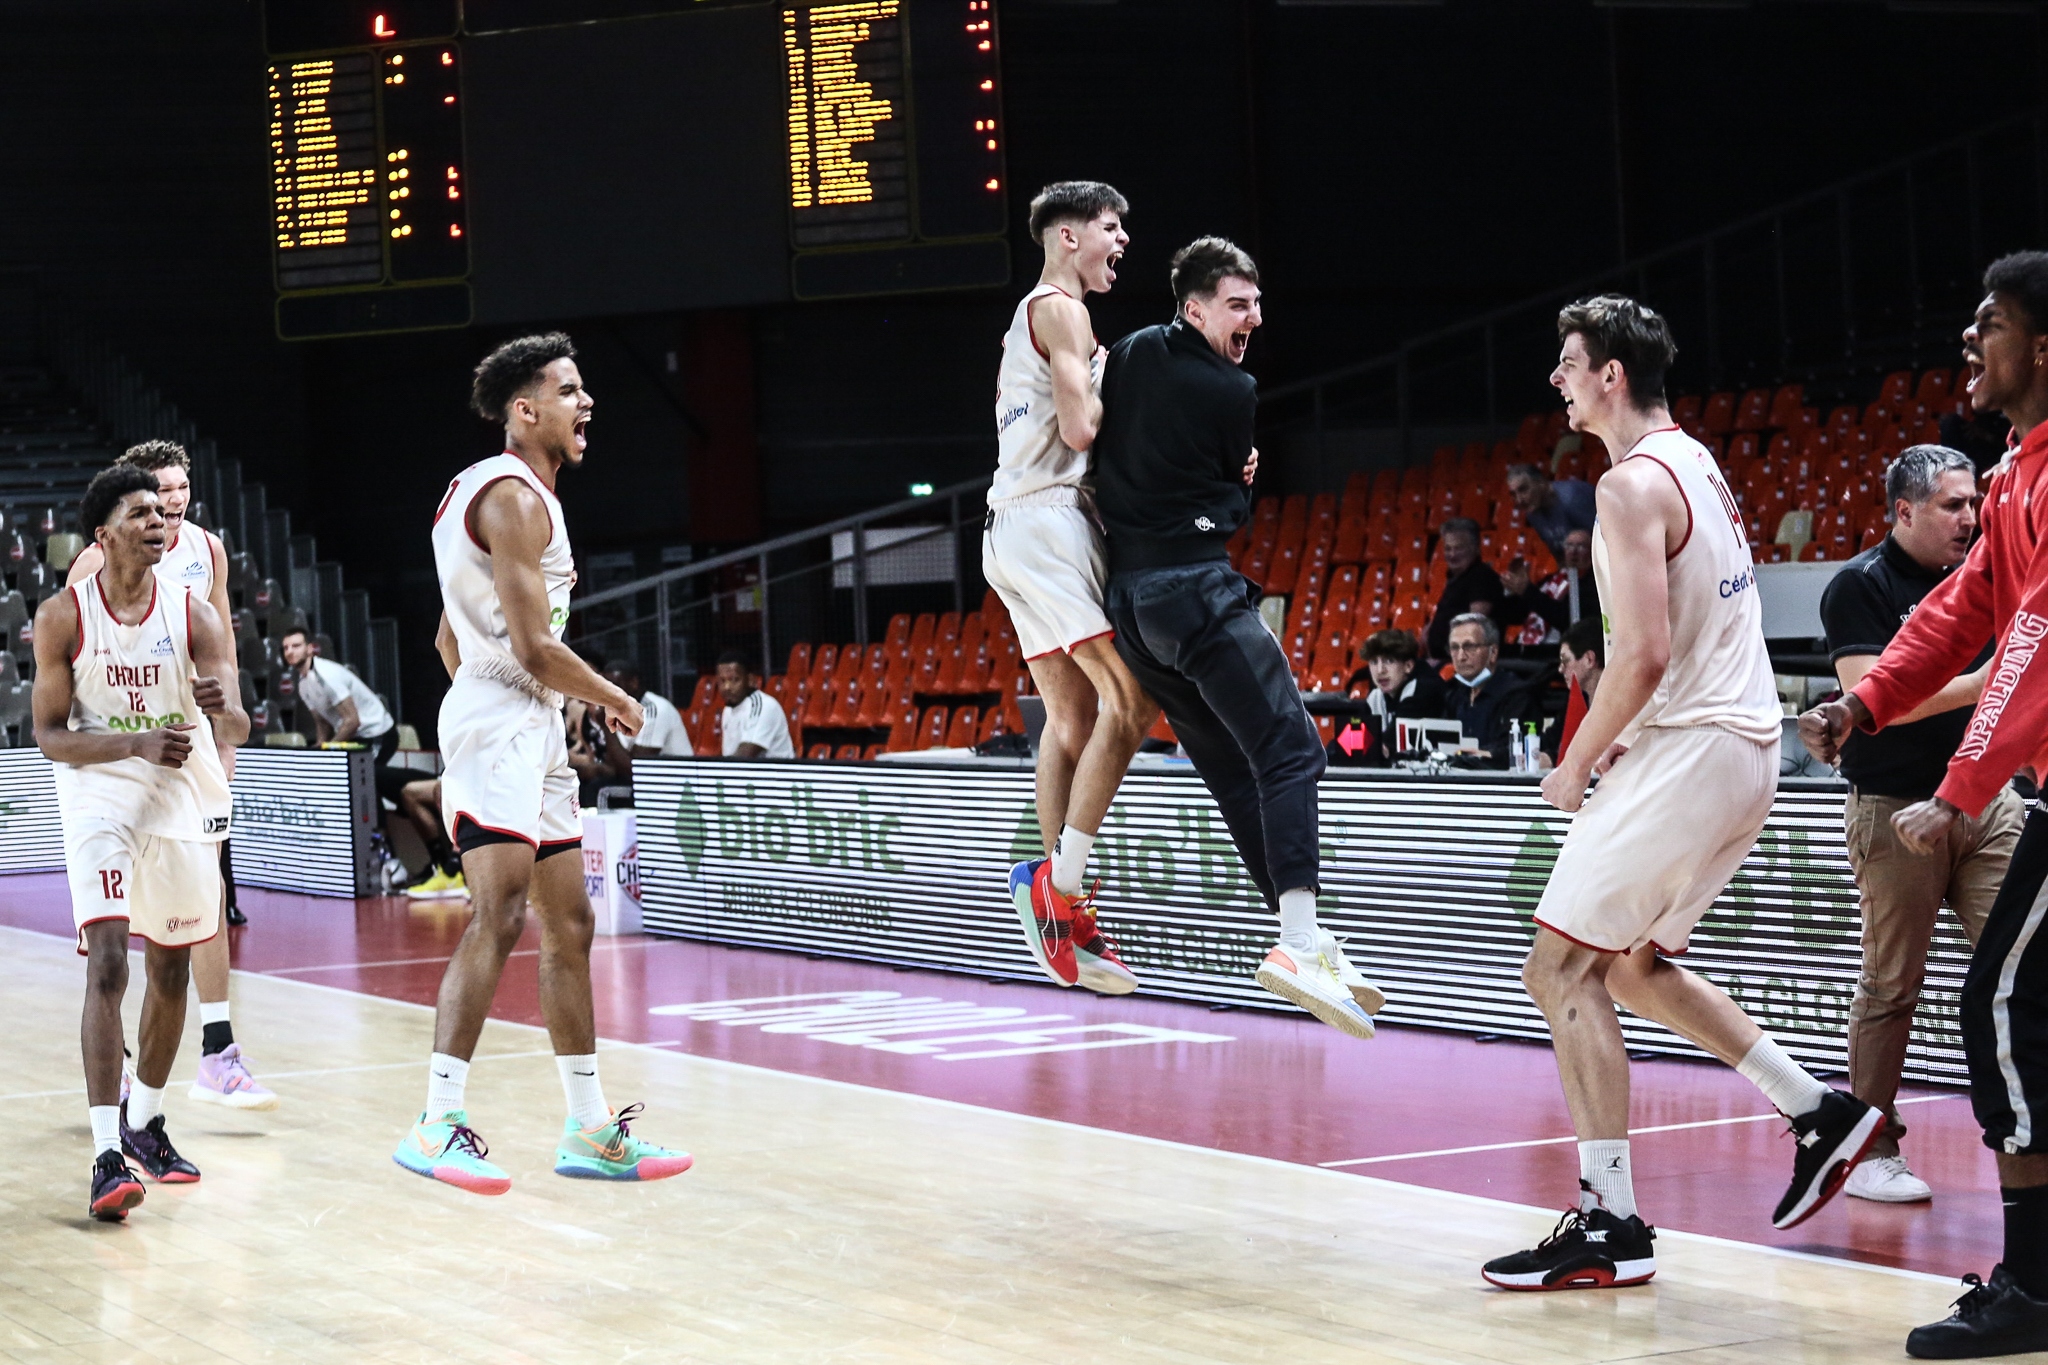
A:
1832, 1139
236, 917
1995, 1319
154, 1152
115, 1188
1588, 1249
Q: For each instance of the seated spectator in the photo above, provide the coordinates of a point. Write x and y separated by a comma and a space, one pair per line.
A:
1536, 614
664, 735
345, 710
419, 801
1582, 658
1551, 508
598, 757
1485, 704
1473, 587
754, 726
1398, 689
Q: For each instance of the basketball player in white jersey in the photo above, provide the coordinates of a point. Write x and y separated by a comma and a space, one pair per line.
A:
1685, 732
508, 794
1041, 550
129, 699
195, 558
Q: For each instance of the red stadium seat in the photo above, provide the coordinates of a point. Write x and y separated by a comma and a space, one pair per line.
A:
991, 725
824, 660
847, 753
1753, 412
819, 751
921, 633
1787, 410
1897, 388
960, 731
1933, 389
903, 725
931, 731
799, 660
1717, 418
899, 630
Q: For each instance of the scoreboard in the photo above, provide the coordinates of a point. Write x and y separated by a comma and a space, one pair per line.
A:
890, 114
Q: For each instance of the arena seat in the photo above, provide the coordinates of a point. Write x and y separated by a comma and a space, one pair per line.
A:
921, 633
1933, 389
846, 705
846, 753
899, 630
711, 734
799, 660
931, 731
960, 731
819, 751
873, 752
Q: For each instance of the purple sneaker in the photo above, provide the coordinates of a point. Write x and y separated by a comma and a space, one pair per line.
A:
224, 1079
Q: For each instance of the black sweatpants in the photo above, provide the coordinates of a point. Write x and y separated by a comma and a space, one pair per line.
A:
2005, 1003
1192, 637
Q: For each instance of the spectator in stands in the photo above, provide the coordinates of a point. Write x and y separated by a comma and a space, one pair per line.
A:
1473, 587
1932, 491
1551, 508
1485, 704
1582, 658
1534, 615
1399, 690
753, 726
664, 735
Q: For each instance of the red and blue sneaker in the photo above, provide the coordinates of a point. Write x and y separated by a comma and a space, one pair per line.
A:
1047, 918
1097, 965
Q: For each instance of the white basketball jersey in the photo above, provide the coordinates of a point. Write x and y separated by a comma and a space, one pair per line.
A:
1720, 673
127, 680
1030, 457
467, 590
188, 561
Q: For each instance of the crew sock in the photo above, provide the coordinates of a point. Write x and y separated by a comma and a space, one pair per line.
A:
2026, 1237
446, 1076
145, 1102
216, 1034
1605, 1178
1784, 1082
580, 1087
1070, 860
106, 1128
1298, 920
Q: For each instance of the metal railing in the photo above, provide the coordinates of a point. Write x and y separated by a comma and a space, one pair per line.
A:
1875, 270
803, 570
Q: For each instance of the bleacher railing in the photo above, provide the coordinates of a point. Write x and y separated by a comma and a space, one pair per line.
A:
837, 581
1879, 269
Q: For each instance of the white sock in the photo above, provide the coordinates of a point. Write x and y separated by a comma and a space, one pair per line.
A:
446, 1076
1784, 1082
145, 1102
215, 1013
106, 1128
580, 1086
1609, 1182
1298, 919
1070, 860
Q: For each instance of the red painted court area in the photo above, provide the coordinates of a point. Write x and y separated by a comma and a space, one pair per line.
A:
1413, 1105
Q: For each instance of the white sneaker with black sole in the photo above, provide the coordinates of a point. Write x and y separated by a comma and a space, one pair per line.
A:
1886, 1180
1832, 1139
1588, 1249
1314, 981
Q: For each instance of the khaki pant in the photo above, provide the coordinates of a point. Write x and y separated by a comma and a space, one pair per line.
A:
1902, 892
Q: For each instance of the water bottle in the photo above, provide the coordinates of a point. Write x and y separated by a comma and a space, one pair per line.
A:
1532, 749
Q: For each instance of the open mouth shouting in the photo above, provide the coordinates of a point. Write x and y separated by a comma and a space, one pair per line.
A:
1109, 266
582, 433
1974, 364
1238, 342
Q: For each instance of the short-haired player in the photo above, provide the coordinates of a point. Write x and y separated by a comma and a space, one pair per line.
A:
1041, 550
508, 794
132, 689
1685, 729
196, 558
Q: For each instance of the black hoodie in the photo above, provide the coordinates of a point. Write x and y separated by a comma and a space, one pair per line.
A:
1169, 460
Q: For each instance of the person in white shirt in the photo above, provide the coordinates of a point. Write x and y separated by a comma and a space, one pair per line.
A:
344, 708
754, 726
664, 735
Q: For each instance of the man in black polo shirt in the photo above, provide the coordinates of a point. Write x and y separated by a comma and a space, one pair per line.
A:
1933, 491
1173, 457
1472, 586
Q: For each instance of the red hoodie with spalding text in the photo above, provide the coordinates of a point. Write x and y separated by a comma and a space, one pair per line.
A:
2000, 590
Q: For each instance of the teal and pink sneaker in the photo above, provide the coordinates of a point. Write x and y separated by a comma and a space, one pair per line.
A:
447, 1149
613, 1153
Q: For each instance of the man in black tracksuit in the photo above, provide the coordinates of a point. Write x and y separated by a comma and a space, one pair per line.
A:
1172, 460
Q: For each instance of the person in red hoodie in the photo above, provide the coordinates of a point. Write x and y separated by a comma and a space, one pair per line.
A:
2000, 591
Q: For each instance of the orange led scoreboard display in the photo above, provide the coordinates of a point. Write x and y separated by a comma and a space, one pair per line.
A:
367, 187
895, 135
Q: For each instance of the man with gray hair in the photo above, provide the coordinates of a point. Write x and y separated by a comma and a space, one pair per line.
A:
1485, 704
1551, 508
1932, 491
1472, 584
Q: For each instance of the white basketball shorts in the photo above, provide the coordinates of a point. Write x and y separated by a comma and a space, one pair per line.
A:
1659, 839
167, 889
505, 765
1045, 561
